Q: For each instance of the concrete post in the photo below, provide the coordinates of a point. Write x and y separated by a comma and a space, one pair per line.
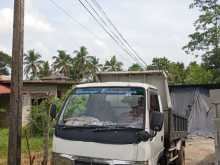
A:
215, 100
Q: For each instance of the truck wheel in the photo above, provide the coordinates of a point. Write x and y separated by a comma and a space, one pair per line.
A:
162, 161
181, 157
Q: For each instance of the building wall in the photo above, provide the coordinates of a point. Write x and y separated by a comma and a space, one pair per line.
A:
40, 92
4, 119
31, 91
32, 94
4, 104
40, 89
26, 108
4, 101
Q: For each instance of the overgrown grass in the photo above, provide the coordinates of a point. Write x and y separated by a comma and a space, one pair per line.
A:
2, 110
36, 143
3, 141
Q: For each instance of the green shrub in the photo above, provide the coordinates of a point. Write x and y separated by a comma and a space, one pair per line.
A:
2, 110
3, 141
39, 117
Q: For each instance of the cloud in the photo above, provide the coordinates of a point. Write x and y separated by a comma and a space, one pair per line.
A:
153, 28
6, 16
3, 48
33, 23
99, 43
36, 24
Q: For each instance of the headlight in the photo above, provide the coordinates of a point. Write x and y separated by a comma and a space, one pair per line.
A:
62, 159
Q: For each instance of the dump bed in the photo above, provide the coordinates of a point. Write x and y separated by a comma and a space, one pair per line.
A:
175, 126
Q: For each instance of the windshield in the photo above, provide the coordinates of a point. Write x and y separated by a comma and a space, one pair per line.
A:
105, 106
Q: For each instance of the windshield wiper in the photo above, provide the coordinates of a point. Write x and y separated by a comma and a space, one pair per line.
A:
115, 128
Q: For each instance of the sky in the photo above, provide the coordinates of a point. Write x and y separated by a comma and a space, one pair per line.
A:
153, 28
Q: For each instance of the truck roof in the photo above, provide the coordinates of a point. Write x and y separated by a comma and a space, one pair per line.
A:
116, 84
152, 78
147, 72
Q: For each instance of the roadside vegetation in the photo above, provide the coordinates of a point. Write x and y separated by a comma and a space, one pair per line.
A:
36, 135
36, 143
71, 67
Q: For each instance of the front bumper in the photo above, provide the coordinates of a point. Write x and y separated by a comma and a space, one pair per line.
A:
65, 159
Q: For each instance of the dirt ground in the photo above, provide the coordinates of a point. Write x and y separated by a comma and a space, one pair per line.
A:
200, 151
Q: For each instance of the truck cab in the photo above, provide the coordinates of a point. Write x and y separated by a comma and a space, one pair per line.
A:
112, 123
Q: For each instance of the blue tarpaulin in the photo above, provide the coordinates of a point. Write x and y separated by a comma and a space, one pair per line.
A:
193, 102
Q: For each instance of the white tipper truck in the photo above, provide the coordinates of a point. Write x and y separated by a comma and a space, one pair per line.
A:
124, 119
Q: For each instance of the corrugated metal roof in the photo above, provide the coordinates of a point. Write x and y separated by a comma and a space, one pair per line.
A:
4, 89
4, 77
56, 77
55, 82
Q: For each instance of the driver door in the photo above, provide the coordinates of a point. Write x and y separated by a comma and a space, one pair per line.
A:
154, 104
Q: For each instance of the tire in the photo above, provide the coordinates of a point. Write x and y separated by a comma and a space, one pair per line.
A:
162, 161
181, 157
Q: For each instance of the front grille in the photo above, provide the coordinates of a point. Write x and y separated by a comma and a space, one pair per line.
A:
80, 162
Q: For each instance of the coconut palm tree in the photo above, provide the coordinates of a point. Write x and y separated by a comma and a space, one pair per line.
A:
45, 69
84, 66
113, 65
5, 63
62, 63
135, 67
32, 64
93, 67
80, 63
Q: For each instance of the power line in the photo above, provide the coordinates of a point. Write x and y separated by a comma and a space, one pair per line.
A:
110, 31
116, 29
75, 20
106, 30
117, 35
72, 18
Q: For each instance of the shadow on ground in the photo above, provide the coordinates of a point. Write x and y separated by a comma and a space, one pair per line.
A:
209, 160
200, 151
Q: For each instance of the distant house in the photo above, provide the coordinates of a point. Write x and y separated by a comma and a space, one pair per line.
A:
34, 91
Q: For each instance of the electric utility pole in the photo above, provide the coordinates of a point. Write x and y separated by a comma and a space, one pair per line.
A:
14, 147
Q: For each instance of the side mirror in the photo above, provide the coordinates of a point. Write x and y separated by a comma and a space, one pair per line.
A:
156, 121
53, 111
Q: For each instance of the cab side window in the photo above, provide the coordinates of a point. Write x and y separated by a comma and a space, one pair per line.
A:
154, 102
